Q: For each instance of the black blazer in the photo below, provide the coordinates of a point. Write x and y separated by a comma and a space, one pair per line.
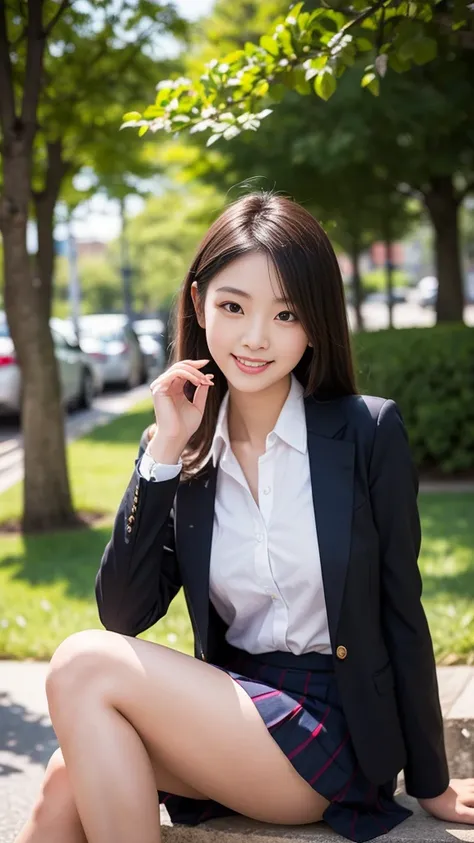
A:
364, 487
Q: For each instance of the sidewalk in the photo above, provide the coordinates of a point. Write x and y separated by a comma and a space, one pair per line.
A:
28, 738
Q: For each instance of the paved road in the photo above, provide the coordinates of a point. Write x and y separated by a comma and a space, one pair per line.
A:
106, 407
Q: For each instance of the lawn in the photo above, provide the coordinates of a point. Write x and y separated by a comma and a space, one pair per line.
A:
47, 582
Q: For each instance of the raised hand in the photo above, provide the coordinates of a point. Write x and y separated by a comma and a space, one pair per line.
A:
177, 417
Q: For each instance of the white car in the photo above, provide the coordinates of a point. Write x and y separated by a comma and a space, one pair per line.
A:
93, 353
112, 336
75, 373
427, 291
150, 333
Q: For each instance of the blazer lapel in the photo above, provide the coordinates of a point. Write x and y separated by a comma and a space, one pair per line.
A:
194, 520
332, 470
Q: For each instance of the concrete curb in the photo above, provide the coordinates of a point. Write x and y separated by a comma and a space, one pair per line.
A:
420, 828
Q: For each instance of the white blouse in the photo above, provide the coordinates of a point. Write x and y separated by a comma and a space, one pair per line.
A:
265, 569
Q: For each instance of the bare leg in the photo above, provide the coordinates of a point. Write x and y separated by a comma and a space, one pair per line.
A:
55, 818
121, 705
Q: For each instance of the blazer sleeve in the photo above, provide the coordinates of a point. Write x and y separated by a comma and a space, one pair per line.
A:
139, 573
394, 488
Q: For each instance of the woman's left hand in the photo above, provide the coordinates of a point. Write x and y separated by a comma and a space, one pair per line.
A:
456, 804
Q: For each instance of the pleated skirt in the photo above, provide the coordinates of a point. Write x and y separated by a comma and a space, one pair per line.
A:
298, 699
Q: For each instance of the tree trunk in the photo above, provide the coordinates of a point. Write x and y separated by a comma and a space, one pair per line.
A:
442, 204
46, 493
357, 285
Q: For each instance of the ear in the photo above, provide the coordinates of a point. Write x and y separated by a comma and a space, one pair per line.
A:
310, 345
197, 305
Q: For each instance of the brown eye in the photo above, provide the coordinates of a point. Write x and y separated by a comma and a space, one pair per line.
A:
286, 316
231, 304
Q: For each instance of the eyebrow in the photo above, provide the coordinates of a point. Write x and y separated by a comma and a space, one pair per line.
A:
236, 292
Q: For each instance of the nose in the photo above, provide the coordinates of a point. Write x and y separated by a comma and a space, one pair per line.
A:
255, 336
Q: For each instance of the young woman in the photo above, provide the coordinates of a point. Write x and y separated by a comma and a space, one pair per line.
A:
284, 504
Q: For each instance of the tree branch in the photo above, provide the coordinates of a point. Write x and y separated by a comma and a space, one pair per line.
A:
34, 66
7, 94
56, 170
54, 20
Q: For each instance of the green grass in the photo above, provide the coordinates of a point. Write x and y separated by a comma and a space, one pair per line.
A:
47, 581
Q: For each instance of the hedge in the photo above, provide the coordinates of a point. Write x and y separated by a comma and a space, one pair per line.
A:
429, 372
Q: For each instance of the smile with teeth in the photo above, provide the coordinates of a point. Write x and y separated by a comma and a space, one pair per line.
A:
251, 364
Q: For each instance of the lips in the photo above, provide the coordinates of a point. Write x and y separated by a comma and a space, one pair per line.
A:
251, 366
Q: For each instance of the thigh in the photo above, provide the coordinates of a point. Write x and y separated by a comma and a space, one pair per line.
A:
195, 722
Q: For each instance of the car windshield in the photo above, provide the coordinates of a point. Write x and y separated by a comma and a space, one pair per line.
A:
108, 333
151, 327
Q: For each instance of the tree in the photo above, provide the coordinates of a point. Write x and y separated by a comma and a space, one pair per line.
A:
44, 45
310, 51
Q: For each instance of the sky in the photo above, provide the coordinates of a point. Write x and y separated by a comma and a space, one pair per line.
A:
193, 8
100, 219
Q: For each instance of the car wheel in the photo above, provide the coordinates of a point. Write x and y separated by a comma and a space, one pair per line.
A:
86, 397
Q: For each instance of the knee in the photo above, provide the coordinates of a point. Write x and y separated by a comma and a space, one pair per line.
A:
56, 800
78, 665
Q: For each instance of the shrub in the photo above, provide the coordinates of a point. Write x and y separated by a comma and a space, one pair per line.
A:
429, 372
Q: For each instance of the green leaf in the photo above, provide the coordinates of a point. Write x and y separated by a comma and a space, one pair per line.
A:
153, 111
325, 84
277, 92
371, 81
295, 10
269, 45
261, 88
397, 64
131, 115
364, 45
425, 50
142, 131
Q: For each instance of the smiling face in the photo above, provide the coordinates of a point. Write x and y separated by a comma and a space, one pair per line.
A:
252, 336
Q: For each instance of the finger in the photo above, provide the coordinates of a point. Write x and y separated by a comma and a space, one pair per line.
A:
178, 374
200, 397
168, 376
465, 814
198, 363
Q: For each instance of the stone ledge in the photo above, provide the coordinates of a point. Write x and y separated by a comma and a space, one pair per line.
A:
420, 828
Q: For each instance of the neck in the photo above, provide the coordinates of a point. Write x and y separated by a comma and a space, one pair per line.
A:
251, 416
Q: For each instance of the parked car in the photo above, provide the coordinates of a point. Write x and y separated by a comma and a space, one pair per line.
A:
116, 340
75, 373
94, 354
150, 333
427, 291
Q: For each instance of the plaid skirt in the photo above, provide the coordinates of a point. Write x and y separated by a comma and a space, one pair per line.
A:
298, 699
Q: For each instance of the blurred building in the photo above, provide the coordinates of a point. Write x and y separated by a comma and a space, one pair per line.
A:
91, 248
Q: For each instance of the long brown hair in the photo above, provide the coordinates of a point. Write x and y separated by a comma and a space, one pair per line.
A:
310, 281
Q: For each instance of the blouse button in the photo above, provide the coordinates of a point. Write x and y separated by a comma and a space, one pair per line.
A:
266, 490
259, 537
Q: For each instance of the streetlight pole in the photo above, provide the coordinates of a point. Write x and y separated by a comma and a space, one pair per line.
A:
125, 268
74, 282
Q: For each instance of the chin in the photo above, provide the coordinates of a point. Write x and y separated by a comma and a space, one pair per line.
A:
254, 383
